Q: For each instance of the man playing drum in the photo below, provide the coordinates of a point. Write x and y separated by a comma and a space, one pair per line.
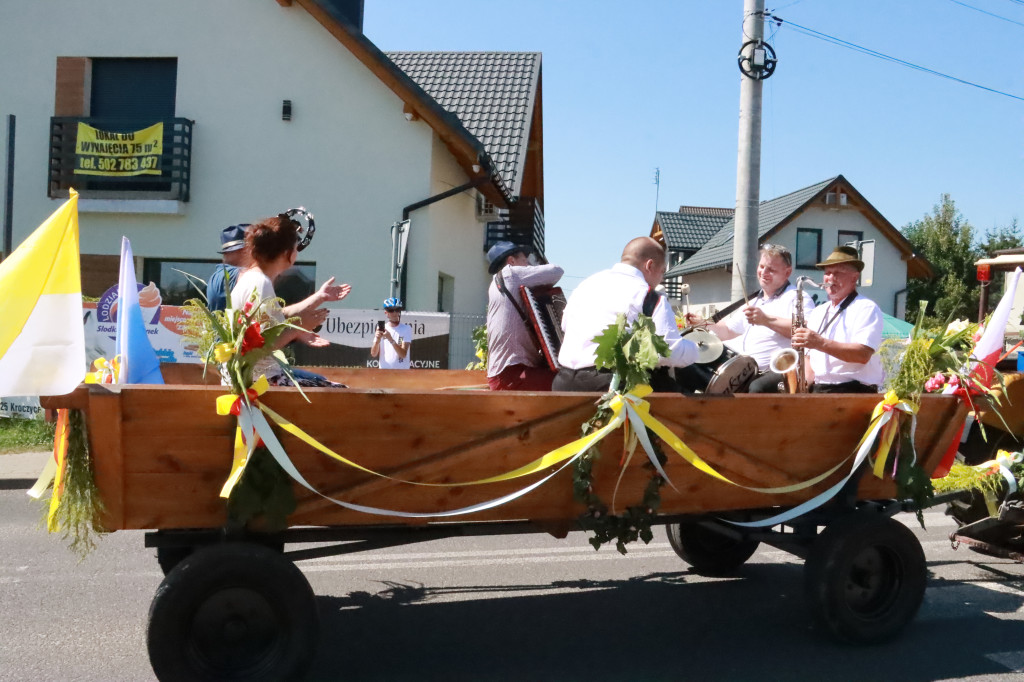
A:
766, 323
627, 287
842, 336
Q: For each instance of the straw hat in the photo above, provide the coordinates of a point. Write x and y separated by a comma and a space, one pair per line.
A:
840, 255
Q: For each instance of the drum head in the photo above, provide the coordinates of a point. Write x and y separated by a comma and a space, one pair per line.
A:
734, 376
709, 346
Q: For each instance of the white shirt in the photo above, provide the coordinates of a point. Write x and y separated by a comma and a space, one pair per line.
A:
759, 341
861, 323
253, 280
509, 341
388, 355
595, 304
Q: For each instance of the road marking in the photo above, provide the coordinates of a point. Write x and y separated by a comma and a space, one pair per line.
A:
1014, 660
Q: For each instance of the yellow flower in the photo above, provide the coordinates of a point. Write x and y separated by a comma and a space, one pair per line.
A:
891, 398
223, 352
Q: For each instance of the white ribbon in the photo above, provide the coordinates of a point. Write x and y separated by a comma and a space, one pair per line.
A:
262, 427
814, 503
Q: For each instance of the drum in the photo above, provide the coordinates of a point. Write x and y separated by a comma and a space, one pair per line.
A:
719, 370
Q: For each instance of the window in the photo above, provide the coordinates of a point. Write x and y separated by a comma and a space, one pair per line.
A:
293, 285
847, 236
114, 97
445, 293
808, 247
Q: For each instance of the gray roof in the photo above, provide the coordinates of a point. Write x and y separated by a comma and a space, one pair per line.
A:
718, 250
691, 227
492, 93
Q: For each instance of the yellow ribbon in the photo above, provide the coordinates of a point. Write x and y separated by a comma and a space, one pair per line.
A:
619, 405
894, 406
245, 443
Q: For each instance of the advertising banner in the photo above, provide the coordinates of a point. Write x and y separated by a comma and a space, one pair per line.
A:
164, 324
349, 331
99, 152
20, 407
351, 335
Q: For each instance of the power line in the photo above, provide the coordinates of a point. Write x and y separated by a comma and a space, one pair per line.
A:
991, 14
879, 55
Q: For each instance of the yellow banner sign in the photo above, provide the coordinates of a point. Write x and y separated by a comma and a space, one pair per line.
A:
99, 152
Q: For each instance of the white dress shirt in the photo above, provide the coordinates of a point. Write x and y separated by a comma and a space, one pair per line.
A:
759, 341
595, 304
861, 323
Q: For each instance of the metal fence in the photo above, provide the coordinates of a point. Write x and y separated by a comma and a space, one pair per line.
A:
461, 350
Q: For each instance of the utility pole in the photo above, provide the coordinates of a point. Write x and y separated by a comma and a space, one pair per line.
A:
9, 192
748, 164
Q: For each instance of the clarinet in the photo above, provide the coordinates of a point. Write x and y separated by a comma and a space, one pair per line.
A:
798, 322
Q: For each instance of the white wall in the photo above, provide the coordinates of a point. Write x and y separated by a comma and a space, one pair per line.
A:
447, 238
348, 154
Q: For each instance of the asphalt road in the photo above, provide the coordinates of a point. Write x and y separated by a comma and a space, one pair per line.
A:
518, 608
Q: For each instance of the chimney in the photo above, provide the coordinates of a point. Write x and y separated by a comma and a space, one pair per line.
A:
350, 10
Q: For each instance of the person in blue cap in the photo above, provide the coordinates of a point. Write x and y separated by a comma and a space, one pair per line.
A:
232, 250
393, 338
514, 362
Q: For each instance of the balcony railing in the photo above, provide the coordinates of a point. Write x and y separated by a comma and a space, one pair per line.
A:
524, 225
111, 174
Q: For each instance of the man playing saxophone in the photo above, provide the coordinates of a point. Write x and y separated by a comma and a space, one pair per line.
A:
763, 326
841, 337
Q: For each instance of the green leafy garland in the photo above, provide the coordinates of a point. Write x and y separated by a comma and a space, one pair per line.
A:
80, 507
630, 352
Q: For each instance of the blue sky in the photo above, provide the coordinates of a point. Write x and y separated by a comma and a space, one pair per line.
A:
630, 86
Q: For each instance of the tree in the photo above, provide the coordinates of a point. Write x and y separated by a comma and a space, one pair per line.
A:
946, 239
1001, 238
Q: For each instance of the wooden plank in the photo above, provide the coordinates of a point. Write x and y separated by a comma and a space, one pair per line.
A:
172, 452
414, 379
106, 449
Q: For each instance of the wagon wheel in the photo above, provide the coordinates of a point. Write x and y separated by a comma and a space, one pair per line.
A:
865, 578
708, 551
232, 612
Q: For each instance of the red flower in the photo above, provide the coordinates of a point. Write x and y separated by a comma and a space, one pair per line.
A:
253, 338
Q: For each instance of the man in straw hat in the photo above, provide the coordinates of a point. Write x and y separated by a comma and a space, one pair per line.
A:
842, 337
514, 362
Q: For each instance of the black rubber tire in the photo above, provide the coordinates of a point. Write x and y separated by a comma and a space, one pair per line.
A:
237, 611
865, 579
707, 551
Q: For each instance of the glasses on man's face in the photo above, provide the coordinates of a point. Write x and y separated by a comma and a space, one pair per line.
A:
392, 310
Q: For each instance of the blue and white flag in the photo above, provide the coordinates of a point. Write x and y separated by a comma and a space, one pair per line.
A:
139, 363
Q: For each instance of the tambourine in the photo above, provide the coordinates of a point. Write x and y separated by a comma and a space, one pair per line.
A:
307, 225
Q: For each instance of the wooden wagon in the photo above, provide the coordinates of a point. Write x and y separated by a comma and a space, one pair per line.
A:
233, 601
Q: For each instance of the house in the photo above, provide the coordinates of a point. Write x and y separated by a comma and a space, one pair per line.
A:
685, 232
810, 222
267, 105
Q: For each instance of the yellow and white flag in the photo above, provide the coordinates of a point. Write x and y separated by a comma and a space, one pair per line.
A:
42, 339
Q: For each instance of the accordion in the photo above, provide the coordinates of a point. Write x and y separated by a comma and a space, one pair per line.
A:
544, 306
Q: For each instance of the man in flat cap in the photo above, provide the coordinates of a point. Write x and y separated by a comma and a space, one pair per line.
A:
514, 361
232, 250
842, 336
